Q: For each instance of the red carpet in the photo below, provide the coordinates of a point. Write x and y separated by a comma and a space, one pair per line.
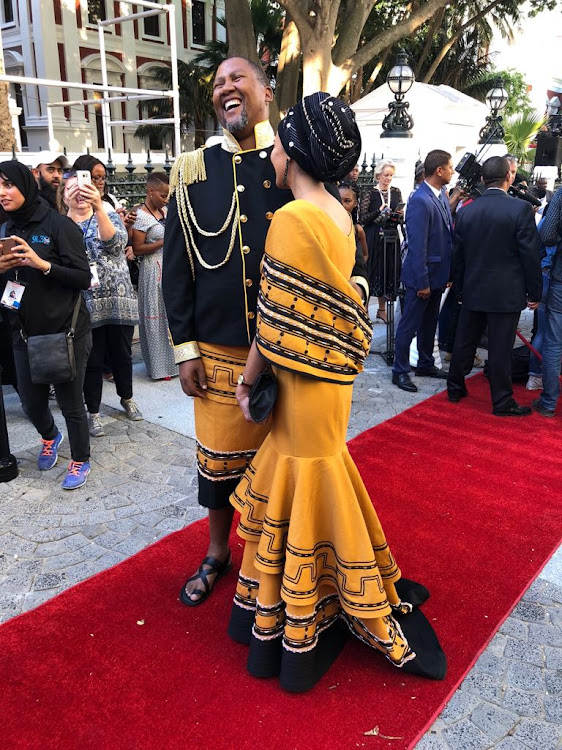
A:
471, 507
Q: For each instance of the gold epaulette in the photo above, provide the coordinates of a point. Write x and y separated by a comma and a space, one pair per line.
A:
188, 168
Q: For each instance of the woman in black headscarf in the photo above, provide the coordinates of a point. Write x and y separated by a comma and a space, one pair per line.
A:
315, 553
44, 269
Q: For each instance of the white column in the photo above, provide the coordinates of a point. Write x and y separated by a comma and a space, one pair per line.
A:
123, 137
73, 68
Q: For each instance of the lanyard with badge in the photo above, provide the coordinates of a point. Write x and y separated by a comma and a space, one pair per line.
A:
94, 275
13, 292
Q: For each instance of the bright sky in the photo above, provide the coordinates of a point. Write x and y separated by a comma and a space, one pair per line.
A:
536, 52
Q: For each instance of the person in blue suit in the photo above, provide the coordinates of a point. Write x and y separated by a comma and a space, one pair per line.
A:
426, 270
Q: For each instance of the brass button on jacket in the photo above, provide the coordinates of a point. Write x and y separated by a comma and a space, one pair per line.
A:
266, 184
251, 315
249, 282
269, 215
237, 159
245, 249
243, 218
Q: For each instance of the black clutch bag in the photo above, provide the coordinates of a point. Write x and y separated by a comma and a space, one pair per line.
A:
263, 395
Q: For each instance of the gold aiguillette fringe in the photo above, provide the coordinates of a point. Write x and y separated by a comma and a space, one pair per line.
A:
188, 168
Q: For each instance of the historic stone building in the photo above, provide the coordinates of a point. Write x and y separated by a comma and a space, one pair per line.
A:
58, 40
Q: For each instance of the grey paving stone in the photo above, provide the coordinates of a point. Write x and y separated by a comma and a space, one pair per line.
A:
523, 702
130, 510
538, 735
530, 612
510, 743
491, 664
464, 735
529, 652
497, 644
10, 602
60, 562
35, 598
14, 545
67, 544
493, 721
550, 635
461, 704
26, 567
432, 742
103, 516
554, 682
553, 657
49, 581
15, 584
525, 676
553, 708
484, 685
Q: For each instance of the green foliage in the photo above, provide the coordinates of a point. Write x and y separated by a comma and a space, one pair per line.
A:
520, 131
518, 102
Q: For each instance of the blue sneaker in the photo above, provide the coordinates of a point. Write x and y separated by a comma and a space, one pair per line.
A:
49, 453
76, 475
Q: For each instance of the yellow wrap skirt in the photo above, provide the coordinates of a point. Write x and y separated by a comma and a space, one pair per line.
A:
315, 549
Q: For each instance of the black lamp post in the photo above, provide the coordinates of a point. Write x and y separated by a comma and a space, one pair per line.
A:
496, 99
398, 122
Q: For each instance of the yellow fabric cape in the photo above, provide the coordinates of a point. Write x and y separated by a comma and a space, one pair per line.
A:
310, 319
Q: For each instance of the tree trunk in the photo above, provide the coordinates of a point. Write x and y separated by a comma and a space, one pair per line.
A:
376, 70
454, 39
242, 41
7, 137
288, 69
240, 29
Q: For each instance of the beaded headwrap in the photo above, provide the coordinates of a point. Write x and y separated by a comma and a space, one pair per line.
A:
321, 135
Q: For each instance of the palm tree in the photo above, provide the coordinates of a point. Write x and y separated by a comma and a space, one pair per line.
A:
196, 101
520, 131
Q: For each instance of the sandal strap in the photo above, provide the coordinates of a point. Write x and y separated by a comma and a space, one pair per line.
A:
216, 568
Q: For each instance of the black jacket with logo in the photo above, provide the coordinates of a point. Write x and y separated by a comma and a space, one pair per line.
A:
48, 300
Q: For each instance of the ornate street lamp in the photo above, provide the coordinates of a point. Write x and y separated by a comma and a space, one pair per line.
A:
398, 122
496, 99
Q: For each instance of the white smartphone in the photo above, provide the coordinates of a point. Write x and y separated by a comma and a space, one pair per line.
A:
84, 177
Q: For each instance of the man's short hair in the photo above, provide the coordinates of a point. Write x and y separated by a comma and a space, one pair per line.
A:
436, 158
494, 170
258, 70
511, 158
157, 177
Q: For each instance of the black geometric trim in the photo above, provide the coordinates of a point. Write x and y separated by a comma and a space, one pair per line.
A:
339, 301
316, 333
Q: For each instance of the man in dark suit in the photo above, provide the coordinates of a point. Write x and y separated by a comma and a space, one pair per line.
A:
426, 270
496, 272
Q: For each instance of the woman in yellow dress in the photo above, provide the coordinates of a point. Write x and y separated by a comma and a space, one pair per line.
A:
316, 557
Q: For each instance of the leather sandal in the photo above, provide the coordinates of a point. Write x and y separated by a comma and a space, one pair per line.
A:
217, 568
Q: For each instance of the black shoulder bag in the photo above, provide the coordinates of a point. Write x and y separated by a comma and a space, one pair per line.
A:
51, 356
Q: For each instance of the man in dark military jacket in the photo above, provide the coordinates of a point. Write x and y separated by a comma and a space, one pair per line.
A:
224, 198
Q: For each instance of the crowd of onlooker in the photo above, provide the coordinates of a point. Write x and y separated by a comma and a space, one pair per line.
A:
107, 264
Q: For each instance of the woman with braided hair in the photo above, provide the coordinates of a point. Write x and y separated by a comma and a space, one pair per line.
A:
316, 557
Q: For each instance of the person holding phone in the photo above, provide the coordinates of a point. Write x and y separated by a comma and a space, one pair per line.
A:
111, 300
44, 267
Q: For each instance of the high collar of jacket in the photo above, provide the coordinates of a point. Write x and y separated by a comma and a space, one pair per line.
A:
263, 133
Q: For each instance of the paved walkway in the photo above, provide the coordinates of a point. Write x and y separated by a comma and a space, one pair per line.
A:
143, 486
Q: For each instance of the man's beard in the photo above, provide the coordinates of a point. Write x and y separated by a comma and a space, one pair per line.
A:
540, 193
238, 125
48, 191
